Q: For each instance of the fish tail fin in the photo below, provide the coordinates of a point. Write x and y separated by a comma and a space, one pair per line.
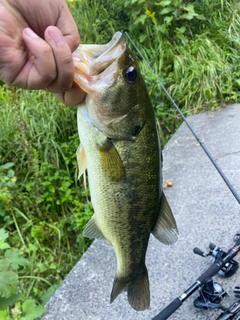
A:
119, 285
138, 291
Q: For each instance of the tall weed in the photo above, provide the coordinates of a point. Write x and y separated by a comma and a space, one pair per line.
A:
42, 203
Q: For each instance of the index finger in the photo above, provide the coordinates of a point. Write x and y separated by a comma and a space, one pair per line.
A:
63, 60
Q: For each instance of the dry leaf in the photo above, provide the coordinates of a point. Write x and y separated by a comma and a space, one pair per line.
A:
168, 183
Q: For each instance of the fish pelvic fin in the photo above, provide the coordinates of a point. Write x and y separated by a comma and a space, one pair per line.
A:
165, 229
92, 231
137, 289
81, 160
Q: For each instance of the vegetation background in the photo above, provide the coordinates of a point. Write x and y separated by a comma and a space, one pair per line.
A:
193, 47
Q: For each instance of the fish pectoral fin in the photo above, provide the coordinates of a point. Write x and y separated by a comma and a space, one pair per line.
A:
138, 291
110, 160
165, 229
92, 231
81, 160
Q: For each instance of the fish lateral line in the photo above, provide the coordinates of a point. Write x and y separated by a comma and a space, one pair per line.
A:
219, 170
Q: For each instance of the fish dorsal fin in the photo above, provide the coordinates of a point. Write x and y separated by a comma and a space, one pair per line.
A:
92, 231
165, 229
81, 160
110, 161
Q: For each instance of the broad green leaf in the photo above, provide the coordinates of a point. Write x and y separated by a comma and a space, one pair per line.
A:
47, 295
4, 264
8, 283
5, 302
200, 17
162, 28
140, 19
189, 8
237, 81
142, 37
11, 173
32, 247
16, 259
164, 3
4, 245
189, 16
139, 1
167, 20
7, 165
166, 10
182, 29
3, 235
3, 315
31, 310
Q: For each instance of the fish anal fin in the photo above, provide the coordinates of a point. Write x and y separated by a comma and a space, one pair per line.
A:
110, 161
81, 160
137, 289
92, 231
165, 229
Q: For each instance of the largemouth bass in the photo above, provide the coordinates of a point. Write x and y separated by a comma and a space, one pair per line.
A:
121, 151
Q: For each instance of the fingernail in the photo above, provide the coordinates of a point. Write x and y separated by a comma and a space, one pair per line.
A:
30, 33
56, 35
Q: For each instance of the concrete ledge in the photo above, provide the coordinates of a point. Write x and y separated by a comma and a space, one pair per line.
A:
205, 211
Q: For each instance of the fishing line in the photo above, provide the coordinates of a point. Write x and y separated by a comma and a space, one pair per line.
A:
231, 188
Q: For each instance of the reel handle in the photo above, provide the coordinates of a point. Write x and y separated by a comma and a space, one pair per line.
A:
212, 246
199, 252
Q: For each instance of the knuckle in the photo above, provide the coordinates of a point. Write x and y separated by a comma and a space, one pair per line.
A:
67, 59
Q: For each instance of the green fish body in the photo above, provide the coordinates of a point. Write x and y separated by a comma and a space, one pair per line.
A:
121, 151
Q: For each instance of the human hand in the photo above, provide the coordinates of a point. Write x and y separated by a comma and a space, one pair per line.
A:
37, 40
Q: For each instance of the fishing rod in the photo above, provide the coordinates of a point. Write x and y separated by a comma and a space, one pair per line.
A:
221, 263
231, 188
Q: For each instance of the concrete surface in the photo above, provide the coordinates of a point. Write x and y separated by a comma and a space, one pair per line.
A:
205, 211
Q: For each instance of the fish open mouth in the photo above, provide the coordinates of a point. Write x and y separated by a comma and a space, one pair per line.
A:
97, 63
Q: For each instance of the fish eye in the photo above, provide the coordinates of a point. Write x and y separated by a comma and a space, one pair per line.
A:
130, 74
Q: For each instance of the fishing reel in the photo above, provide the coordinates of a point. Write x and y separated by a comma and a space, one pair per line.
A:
212, 293
233, 312
218, 255
210, 296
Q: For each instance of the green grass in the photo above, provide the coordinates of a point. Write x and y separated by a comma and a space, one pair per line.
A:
43, 206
